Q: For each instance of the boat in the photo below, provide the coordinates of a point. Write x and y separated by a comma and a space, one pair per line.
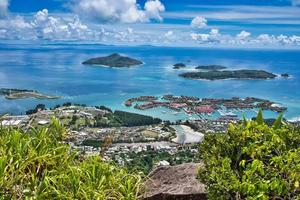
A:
227, 114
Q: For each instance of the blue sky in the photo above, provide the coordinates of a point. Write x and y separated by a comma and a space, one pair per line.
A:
58, 5
156, 22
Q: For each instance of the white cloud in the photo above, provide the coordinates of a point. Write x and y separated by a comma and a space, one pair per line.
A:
169, 34
153, 9
296, 2
244, 39
213, 37
199, 22
125, 11
3, 8
43, 26
243, 35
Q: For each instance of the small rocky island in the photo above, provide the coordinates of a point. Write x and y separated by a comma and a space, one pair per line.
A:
285, 75
179, 66
211, 67
226, 74
12, 94
113, 60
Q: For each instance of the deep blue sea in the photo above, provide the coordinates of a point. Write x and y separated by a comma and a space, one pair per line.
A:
56, 69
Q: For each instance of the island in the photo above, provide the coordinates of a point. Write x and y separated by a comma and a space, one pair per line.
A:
12, 94
210, 67
179, 66
285, 75
226, 74
113, 60
206, 106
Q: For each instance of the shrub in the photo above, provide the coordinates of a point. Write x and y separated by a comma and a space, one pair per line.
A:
252, 161
35, 164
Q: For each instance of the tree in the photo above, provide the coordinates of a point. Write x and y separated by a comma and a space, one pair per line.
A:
36, 165
252, 161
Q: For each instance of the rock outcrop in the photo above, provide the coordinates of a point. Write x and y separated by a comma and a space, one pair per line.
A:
175, 183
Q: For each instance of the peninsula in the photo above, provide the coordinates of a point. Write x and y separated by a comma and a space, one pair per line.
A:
211, 67
12, 94
226, 74
113, 60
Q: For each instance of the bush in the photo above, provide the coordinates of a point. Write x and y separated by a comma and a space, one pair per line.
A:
252, 161
36, 165
133, 119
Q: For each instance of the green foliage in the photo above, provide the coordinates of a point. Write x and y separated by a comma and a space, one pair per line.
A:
133, 119
146, 160
252, 161
37, 165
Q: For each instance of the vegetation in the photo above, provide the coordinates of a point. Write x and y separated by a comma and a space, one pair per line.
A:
13, 94
36, 165
252, 161
36, 109
237, 74
211, 67
285, 75
179, 66
145, 161
114, 60
133, 119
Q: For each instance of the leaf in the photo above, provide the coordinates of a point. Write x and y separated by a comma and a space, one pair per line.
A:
296, 184
245, 122
277, 124
260, 118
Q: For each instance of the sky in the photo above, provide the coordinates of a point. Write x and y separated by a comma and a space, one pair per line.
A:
233, 23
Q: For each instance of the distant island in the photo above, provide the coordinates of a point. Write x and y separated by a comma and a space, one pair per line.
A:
113, 60
179, 66
211, 67
12, 94
285, 75
226, 74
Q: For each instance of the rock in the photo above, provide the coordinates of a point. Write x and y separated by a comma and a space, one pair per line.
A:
285, 75
175, 183
179, 66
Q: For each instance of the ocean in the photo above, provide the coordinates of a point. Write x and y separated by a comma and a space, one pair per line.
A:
56, 69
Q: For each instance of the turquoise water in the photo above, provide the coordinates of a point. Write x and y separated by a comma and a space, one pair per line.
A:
56, 69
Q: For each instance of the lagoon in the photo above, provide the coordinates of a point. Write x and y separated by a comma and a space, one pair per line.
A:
56, 69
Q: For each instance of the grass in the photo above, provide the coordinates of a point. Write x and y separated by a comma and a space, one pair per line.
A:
37, 165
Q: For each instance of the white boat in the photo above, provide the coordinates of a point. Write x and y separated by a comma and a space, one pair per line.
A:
227, 114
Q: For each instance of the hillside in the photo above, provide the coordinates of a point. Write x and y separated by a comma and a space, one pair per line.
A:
34, 164
226, 74
113, 60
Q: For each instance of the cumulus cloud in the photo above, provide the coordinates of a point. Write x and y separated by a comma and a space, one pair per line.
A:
169, 34
3, 8
199, 22
213, 37
125, 11
243, 35
43, 26
244, 38
153, 9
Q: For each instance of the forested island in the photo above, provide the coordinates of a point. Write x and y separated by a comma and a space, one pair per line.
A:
113, 60
211, 67
226, 74
12, 94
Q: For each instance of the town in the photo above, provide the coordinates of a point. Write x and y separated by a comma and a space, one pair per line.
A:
135, 140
